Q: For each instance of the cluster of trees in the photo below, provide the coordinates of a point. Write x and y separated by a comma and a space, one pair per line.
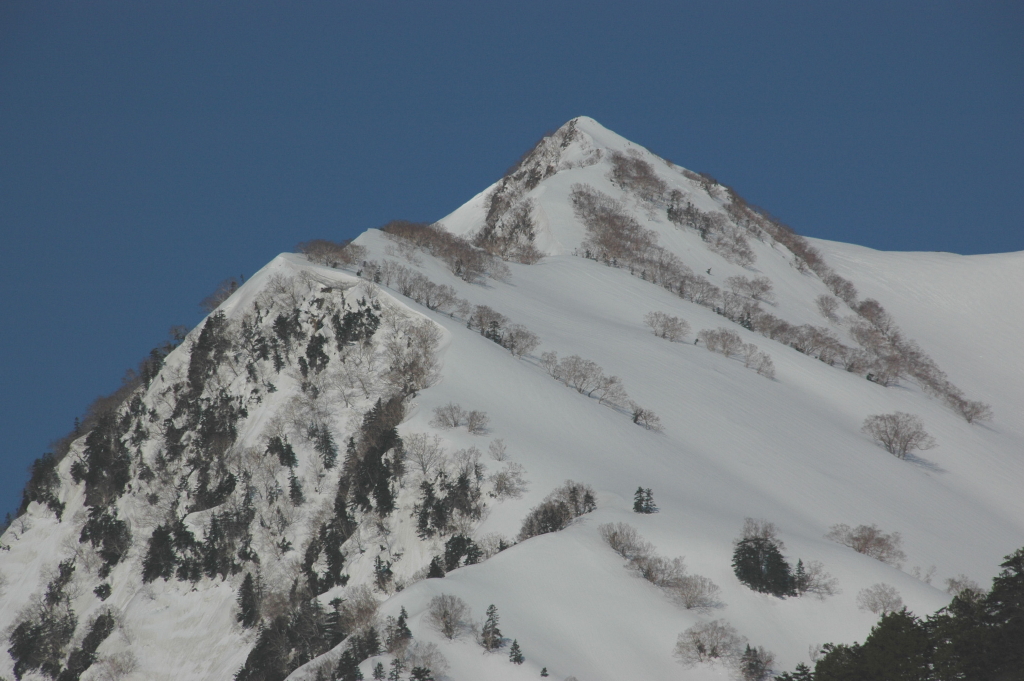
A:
452, 415
449, 615
332, 253
491, 324
39, 640
718, 642
617, 239
643, 501
107, 533
174, 552
463, 259
692, 591
977, 636
758, 562
587, 378
871, 541
561, 507
666, 326
729, 343
509, 229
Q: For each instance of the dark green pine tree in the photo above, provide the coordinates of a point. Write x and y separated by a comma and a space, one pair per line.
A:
800, 578
649, 505
544, 672
801, 673
378, 672
1005, 608
753, 665
490, 635
436, 568
759, 564
248, 602
397, 667
348, 668
402, 632
421, 674
160, 559
638, 500
295, 490
897, 649
515, 655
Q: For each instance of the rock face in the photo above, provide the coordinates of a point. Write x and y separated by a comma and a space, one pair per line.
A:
364, 448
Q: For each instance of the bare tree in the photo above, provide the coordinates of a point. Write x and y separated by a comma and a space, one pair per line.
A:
222, 293
509, 482
448, 416
879, 599
660, 571
667, 326
827, 306
709, 642
871, 541
476, 422
899, 433
645, 417
963, 586
448, 615
721, 340
758, 288
424, 451
972, 410
498, 450
520, 340
815, 580
695, 592
625, 540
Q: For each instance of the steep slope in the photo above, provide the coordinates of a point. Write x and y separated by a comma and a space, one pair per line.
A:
235, 421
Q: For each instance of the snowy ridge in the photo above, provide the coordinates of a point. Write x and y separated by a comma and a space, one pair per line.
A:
734, 444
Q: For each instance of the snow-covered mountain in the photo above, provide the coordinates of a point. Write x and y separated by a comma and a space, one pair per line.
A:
353, 419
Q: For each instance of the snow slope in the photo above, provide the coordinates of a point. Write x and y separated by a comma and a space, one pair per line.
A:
735, 444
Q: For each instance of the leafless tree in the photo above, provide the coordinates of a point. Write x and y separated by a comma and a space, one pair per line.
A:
498, 450
973, 411
448, 416
697, 593
721, 340
871, 541
222, 293
330, 253
963, 586
815, 580
520, 340
709, 642
659, 570
758, 288
827, 306
476, 422
425, 655
645, 417
448, 615
667, 326
899, 433
625, 540
509, 482
879, 599
424, 451
759, 528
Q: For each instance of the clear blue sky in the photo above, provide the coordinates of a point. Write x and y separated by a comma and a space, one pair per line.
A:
149, 150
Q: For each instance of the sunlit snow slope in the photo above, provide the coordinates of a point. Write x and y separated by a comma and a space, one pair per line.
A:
734, 444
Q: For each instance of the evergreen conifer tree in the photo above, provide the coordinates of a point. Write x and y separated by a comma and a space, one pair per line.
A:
421, 674
295, 490
436, 568
348, 668
649, 505
515, 655
378, 672
544, 672
490, 635
801, 673
397, 667
402, 627
638, 500
759, 564
248, 602
160, 559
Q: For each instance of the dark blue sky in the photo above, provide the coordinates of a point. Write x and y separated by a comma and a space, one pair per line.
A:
150, 150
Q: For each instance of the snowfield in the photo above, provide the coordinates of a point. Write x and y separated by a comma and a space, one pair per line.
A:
734, 444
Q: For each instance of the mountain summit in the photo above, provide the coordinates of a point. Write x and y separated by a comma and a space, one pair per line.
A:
602, 412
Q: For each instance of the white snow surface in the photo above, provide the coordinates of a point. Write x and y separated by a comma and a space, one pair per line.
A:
735, 444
